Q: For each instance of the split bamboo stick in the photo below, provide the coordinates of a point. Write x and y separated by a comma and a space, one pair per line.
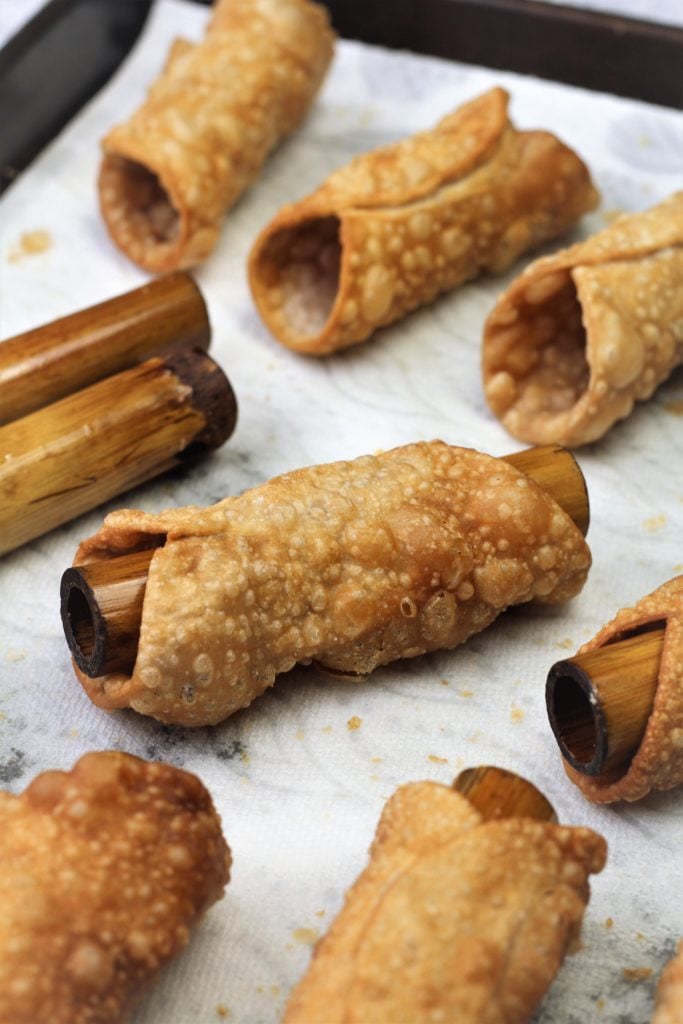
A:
95, 647
76, 453
62, 357
599, 702
498, 793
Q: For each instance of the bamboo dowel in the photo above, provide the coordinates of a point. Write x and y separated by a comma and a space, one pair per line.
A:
81, 451
534, 463
556, 470
59, 358
599, 703
498, 793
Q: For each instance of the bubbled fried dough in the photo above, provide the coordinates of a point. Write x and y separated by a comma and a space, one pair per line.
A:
440, 928
351, 564
658, 762
669, 997
402, 224
212, 117
581, 335
103, 871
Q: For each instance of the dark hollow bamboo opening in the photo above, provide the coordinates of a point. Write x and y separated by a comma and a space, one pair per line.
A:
575, 718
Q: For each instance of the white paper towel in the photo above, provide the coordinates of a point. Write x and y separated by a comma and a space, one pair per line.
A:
300, 793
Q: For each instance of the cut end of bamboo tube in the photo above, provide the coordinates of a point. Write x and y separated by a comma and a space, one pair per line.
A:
599, 703
212, 395
556, 470
101, 611
498, 793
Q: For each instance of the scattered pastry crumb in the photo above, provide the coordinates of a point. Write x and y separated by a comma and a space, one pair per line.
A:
320, 913
600, 1003
679, 567
15, 655
516, 714
222, 1011
275, 990
466, 693
444, 682
375, 778
637, 973
609, 923
306, 936
299, 734
3, 716
30, 243
640, 937
244, 757
475, 737
73, 733
437, 760
565, 644
326, 728
654, 523
609, 216
644, 141
376, 760
675, 407
354, 723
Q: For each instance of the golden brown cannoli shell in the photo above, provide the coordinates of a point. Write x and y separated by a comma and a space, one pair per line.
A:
454, 919
210, 120
581, 335
351, 564
658, 763
669, 996
103, 871
402, 224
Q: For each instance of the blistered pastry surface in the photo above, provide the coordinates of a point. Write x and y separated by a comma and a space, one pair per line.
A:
103, 871
583, 334
353, 564
440, 926
658, 764
210, 120
417, 219
669, 996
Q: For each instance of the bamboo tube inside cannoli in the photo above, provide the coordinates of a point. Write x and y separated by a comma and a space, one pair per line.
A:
101, 603
616, 707
497, 793
469, 903
59, 358
599, 703
103, 872
350, 565
402, 224
669, 995
217, 110
581, 335
76, 453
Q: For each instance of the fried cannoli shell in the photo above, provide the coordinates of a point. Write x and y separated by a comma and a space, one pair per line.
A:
103, 871
351, 564
454, 919
581, 335
219, 107
669, 997
402, 224
658, 763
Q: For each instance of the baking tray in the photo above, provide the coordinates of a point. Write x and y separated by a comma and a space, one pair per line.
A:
596, 51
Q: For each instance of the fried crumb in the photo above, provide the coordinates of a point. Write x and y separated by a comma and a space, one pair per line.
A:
354, 723
609, 923
30, 243
375, 778
299, 734
475, 737
654, 523
640, 937
675, 407
326, 728
320, 913
516, 714
609, 216
244, 757
637, 973
600, 1003
566, 644
306, 936
437, 760
275, 990
15, 655
679, 567
466, 693
222, 1010
376, 760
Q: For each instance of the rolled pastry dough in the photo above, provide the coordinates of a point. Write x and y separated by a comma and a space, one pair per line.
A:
669, 997
352, 564
658, 764
103, 871
404, 223
219, 107
454, 919
581, 335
